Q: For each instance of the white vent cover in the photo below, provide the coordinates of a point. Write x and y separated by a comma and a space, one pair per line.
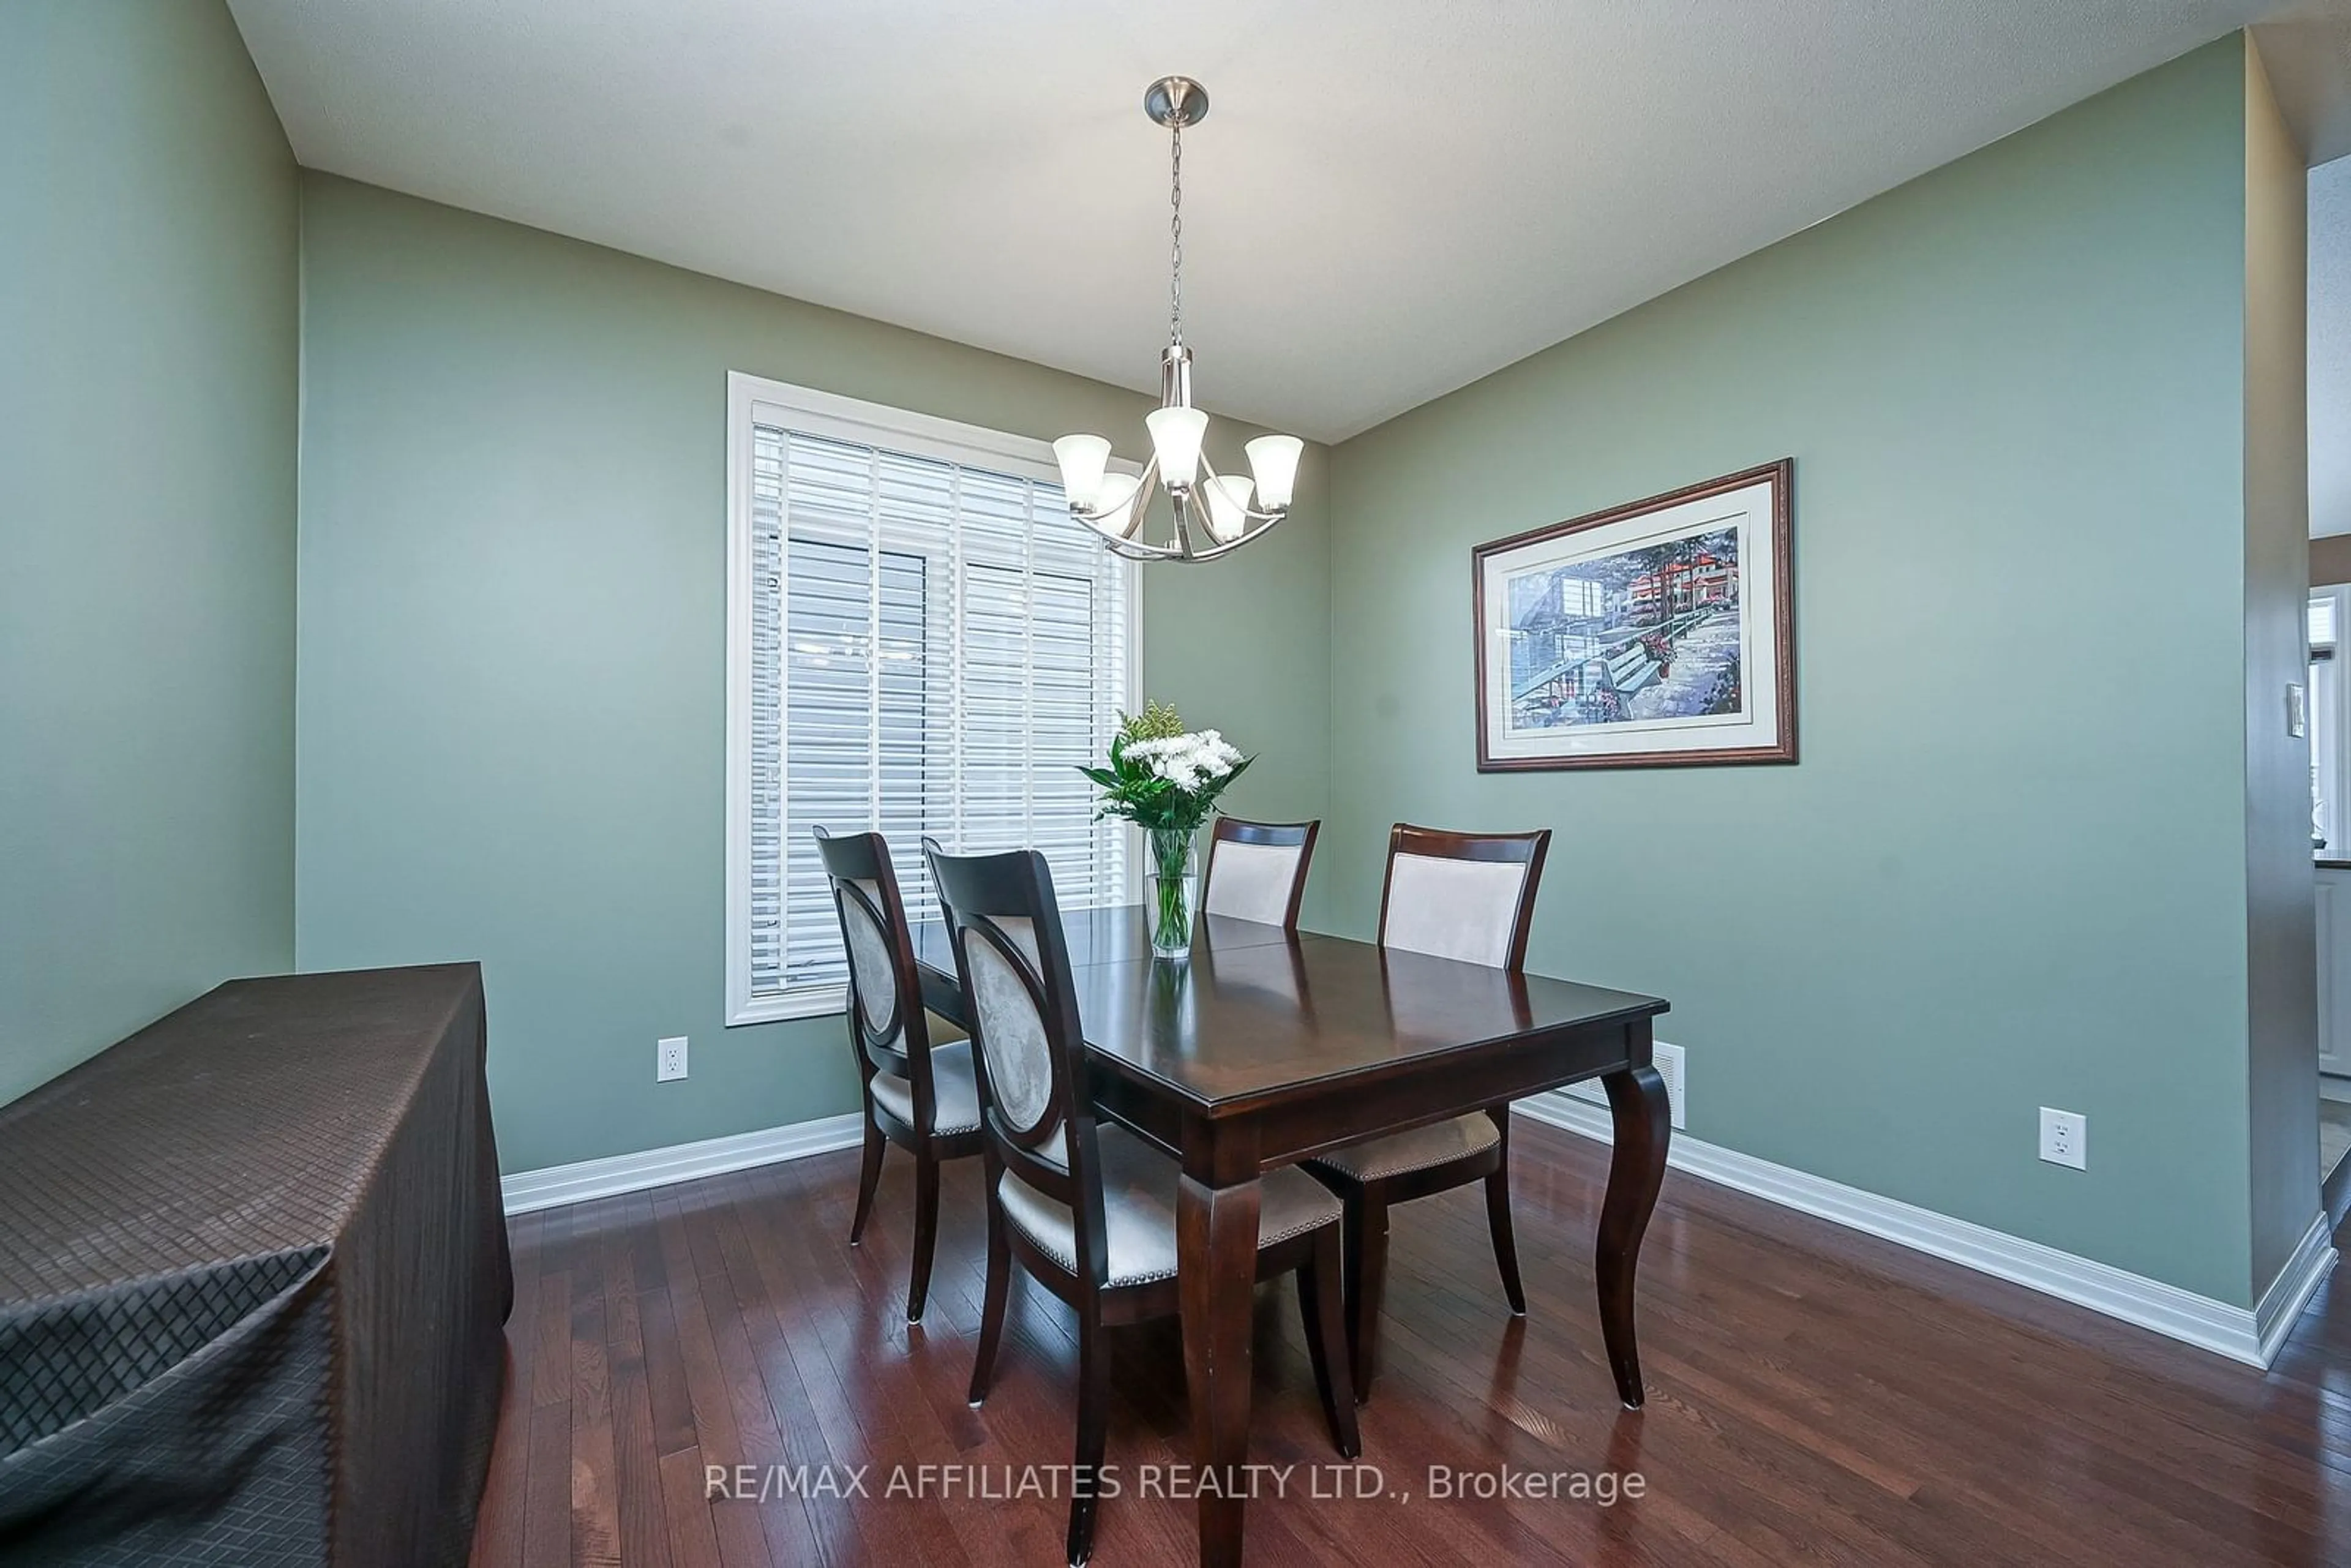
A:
1668, 1060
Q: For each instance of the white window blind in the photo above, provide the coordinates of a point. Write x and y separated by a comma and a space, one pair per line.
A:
927, 643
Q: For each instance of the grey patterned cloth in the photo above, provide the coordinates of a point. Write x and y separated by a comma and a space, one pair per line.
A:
869, 956
253, 1270
1020, 1059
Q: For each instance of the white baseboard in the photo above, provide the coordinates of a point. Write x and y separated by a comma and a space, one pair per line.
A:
528, 1190
2250, 1336
2281, 1303
2253, 1337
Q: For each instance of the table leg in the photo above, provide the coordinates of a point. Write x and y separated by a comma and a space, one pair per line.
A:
1643, 1120
1216, 1262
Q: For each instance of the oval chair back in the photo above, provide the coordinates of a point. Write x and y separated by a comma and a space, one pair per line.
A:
1257, 871
1462, 895
886, 1023
1012, 962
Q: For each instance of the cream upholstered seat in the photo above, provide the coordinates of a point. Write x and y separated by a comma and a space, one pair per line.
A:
956, 1103
1139, 1210
1087, 1207
1469, 897
1257, 871
1376, 1159
920, 1092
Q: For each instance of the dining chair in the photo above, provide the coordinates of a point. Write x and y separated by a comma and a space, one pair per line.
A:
1257, 871
1088, 1207
1468, 896
920, 1092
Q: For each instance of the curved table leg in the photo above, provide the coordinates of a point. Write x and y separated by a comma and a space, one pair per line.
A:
1216, 1264
1643, 1119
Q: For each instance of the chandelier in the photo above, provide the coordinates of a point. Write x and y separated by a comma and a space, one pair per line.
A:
1208, 514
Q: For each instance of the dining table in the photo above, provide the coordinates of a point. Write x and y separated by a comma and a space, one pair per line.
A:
1266, 1046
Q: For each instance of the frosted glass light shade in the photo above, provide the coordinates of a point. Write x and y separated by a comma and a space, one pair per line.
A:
1083, 459
1274, 460
1175, 437
1228, 497
1115, 506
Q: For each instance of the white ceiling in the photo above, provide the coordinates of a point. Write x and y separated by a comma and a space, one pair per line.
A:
1389, 198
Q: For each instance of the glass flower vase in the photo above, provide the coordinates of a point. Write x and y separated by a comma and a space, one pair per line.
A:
1173, 875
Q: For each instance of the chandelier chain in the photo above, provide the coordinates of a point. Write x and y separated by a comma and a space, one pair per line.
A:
1175, 235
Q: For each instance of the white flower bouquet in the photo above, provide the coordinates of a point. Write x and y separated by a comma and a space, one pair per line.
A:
1165, 780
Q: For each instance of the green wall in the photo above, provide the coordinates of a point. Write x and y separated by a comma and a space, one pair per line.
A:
148, 376
2010, 869
513, 590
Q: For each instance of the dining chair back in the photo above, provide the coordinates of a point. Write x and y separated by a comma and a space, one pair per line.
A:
919, 1089
1013, 962
1462, 895
1257, 871
886, 1018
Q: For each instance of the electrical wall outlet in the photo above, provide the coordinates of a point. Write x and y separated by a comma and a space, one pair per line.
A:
1668, 1062
2065, 1138
669, 1059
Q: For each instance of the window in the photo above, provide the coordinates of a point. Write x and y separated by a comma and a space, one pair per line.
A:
921, 640
2330, 725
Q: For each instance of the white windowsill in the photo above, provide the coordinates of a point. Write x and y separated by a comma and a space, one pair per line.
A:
806, 1004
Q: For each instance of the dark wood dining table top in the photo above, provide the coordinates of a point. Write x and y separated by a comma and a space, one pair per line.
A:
1259, 1011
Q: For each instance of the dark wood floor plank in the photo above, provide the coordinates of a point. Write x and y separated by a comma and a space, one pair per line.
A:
644, 1537
848, 1334
693, 1532
742, 1539
783, 1516
547, 1502
595, 1501
1816, 1395
784, 1304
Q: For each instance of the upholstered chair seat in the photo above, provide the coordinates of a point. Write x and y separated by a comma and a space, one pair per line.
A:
1139, 1210
955, 1090
1401, 1153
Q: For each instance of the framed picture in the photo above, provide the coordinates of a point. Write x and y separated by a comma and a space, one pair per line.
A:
1654, 635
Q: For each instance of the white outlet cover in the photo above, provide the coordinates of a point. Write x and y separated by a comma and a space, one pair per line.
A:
2065, 1138
669, 1059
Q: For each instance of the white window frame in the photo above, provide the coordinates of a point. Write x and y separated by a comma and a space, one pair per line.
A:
755, 400
2329, 701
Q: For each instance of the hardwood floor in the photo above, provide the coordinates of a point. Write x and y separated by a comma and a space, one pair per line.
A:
1814, 1395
